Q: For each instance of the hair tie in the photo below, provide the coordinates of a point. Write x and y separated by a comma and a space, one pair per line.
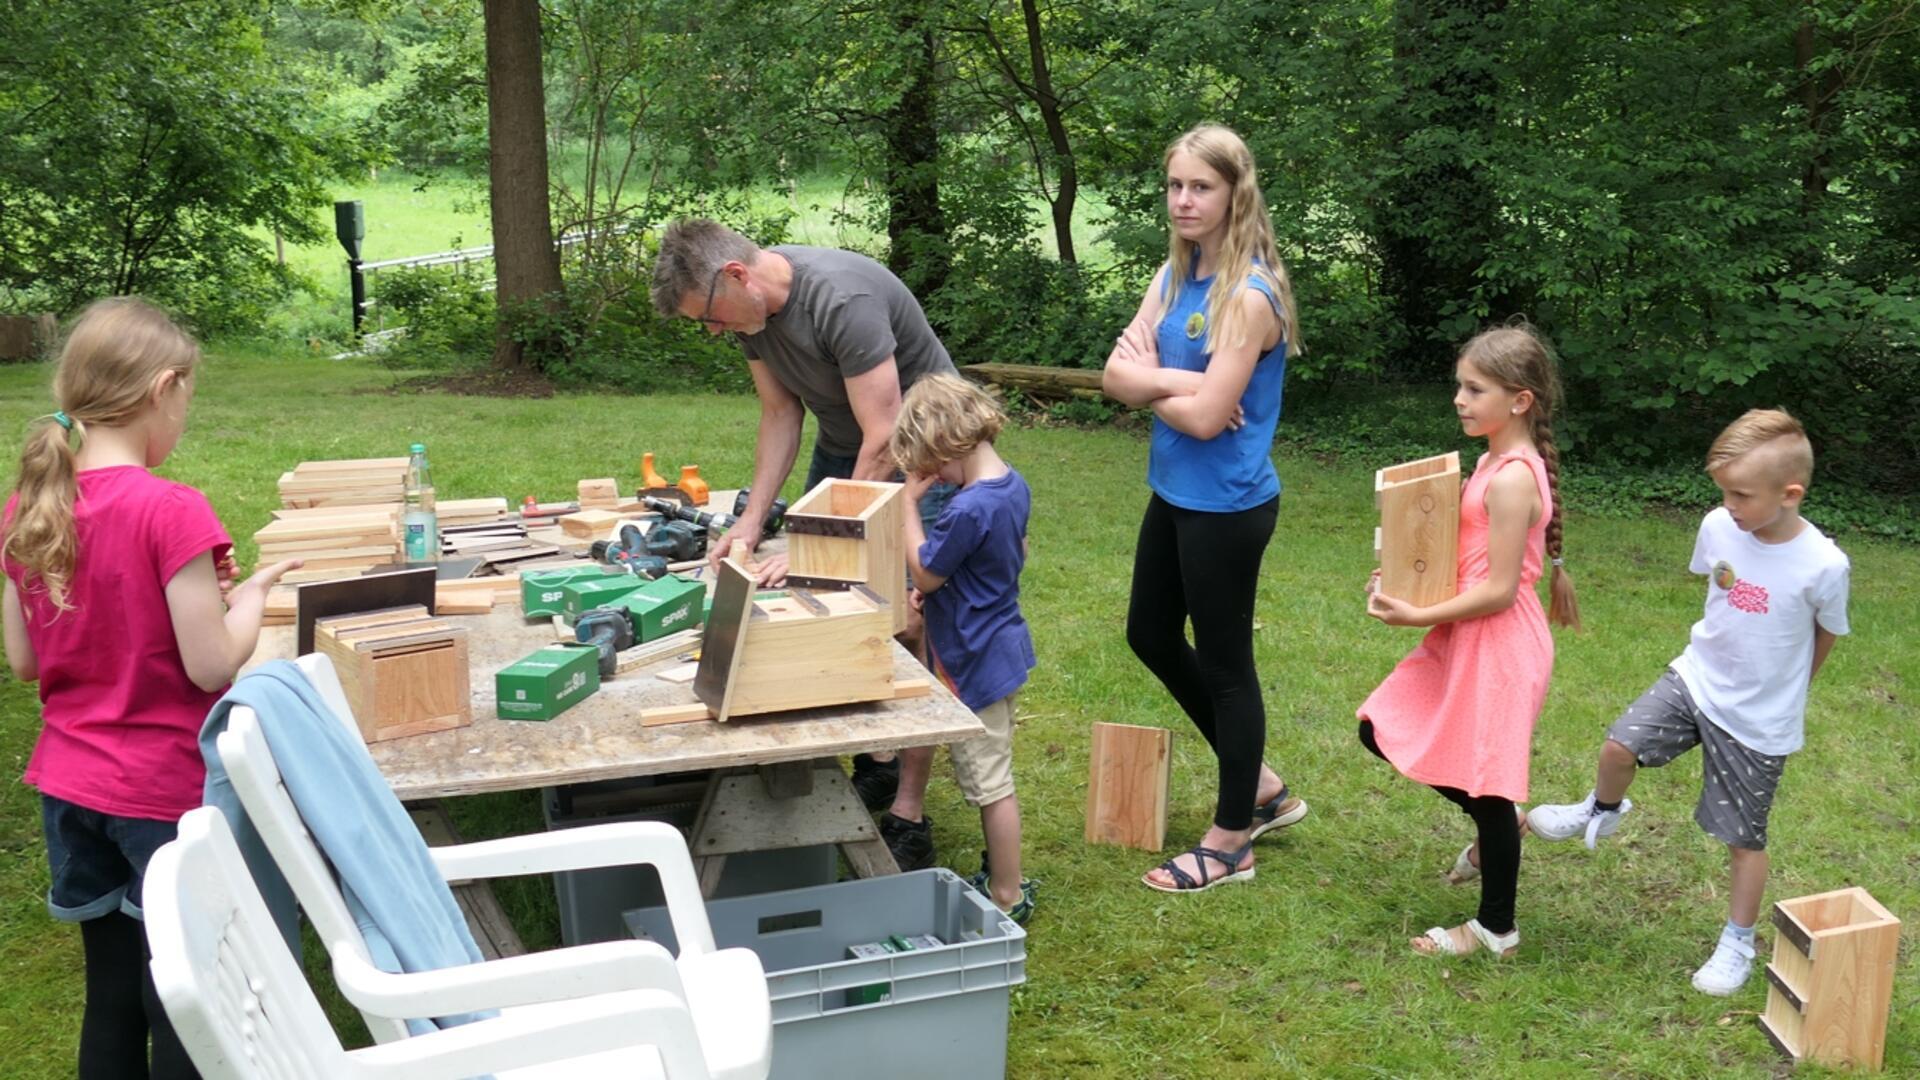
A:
1559, 560
63, 420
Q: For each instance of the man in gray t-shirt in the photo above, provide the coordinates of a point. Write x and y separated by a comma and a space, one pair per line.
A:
829, 332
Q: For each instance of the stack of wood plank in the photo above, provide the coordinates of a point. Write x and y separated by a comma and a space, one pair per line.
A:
331, 542
451, 512
344, 483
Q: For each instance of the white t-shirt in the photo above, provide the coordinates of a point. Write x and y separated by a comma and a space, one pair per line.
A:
1751, 655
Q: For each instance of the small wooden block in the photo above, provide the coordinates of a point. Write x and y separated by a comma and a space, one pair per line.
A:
590, 524
601, 494
1127, 786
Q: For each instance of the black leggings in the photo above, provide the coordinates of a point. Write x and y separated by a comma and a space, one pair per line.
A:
1195, 565
1499, 835
122, 1008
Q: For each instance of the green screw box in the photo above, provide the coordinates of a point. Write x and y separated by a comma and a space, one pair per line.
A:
541, 591
591, 593
662, 607
547, 683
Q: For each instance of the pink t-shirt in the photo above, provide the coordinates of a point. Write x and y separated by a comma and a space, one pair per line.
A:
121, 720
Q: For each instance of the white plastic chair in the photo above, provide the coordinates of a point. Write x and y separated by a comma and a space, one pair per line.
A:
724, 992
244, 1011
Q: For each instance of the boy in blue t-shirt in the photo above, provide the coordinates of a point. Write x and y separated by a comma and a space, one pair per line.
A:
966, 573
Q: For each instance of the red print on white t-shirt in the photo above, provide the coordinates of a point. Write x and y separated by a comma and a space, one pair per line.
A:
1748, 597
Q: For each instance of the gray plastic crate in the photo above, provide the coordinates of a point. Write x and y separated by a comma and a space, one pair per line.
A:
946, 1016
591, 901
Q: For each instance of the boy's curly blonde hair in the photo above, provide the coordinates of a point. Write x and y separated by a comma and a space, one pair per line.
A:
942, 419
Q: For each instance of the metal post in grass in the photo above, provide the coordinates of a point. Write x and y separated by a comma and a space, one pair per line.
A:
350, 225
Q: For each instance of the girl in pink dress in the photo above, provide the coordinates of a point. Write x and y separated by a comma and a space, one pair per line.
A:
1458, 713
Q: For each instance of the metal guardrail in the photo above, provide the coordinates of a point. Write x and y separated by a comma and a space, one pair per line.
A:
461, 258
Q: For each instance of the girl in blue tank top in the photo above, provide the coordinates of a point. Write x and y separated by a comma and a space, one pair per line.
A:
1207, 353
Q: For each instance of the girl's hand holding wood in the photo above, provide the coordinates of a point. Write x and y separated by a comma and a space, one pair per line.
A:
1390, 611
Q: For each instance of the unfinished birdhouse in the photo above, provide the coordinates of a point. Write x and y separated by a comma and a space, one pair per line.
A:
404, 671
1830, 982
847, 532
800, 649
1419, 534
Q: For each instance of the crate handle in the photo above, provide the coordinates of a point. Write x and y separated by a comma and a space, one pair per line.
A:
793, 920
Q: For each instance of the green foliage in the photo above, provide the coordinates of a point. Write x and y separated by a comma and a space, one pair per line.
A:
144, 147
448, 315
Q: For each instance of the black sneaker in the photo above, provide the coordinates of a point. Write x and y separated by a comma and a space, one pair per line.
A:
910, 841
875, 781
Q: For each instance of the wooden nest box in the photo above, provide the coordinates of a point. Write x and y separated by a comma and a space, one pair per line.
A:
404, 671
800, 649
849, 532
1830, 982
1418, 540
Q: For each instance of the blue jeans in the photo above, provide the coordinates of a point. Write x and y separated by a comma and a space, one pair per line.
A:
827, 465
98, 860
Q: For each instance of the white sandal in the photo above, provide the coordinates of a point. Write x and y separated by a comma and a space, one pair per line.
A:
1463, 869
1503, 946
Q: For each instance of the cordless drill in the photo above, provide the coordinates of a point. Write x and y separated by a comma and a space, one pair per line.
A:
776, 514
608, 629
677, 541
632, 552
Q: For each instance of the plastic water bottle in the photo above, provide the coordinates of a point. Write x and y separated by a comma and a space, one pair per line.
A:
419, 525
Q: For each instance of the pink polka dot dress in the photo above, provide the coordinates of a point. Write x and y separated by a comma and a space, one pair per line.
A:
1459, 710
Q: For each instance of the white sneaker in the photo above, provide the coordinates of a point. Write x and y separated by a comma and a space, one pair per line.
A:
1727, 969
1568, 820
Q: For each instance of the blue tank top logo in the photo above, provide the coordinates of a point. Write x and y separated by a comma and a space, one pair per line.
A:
1196, 325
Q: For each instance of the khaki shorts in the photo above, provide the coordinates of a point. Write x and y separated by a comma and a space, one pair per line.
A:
984, 764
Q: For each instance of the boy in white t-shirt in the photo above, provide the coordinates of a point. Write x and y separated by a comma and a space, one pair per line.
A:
1776, 602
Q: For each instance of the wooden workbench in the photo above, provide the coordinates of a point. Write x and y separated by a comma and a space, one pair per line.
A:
602, 738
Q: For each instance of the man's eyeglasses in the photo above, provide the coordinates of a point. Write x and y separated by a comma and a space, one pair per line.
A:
706, 313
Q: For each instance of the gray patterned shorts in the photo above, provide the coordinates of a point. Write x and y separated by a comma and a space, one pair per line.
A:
1737, 794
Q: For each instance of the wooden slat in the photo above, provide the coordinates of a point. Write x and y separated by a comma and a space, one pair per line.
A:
1127, 785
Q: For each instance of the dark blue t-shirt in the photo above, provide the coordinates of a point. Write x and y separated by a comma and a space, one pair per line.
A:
980, 644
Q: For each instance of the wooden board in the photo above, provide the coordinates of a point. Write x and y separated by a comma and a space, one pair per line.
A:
602, 738
1129, 770
369, 593
723, 643
1418, 538
590, 524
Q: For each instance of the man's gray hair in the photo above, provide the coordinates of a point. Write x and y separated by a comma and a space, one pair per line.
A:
691, 251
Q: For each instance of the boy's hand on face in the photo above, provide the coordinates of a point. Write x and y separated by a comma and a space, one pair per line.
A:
917, 485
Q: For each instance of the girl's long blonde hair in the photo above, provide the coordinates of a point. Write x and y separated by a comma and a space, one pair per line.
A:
1517, 358
1248, 236
113, 356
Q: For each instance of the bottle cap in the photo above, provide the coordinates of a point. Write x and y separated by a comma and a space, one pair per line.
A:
419, 448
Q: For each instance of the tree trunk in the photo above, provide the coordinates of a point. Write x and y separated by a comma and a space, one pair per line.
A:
526, 266
1068, 188
1817, 94
916, 226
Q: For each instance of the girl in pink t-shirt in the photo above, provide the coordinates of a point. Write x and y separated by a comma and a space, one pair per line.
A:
119, 601
1458, 713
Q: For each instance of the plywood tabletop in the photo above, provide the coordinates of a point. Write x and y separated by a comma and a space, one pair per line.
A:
602, 737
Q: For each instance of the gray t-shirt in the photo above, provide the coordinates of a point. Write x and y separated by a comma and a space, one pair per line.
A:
844, 315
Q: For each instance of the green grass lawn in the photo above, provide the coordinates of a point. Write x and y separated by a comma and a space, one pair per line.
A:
1304, 972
